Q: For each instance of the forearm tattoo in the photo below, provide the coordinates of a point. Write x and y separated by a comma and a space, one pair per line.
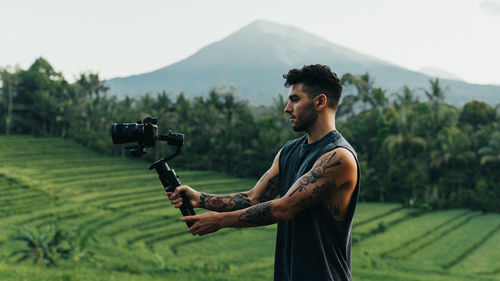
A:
259, 215
316, 172
224, 203
272, 189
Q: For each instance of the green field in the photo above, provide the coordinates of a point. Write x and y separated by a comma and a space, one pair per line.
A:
137, 234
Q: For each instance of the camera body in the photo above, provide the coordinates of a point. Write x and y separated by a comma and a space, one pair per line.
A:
143, 132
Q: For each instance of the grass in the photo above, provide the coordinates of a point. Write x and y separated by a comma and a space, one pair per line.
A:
448, 248
138, 234
483, 259
409, 232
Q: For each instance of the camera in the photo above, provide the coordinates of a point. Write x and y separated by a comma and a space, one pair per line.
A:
145, 133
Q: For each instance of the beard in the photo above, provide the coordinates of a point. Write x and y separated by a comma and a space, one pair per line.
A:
305, 119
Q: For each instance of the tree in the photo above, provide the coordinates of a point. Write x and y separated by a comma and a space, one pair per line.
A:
491, 153
406, 100
93, 87
408, 178
487, 186
436, 96
92, 84
367, 95
477, 113
452, 167
8, 83
452, 150
37, 99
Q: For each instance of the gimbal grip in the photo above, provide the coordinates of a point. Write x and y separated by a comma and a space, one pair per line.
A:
187, 208
170, 182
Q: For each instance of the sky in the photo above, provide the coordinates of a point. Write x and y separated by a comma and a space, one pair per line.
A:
126, 37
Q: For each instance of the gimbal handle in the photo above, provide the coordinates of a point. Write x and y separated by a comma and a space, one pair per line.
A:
170, 180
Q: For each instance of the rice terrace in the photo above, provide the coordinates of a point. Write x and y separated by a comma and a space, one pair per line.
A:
132, 233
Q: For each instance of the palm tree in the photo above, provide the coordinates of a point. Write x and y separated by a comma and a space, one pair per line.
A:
453, 149
406, 140
406, 148
436, 96
367, 94
406, 100
491, 154
92, 84
277, 111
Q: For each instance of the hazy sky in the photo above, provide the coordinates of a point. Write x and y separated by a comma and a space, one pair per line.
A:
119, 38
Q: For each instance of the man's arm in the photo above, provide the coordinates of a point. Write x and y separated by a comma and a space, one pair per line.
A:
267, 188
332, 171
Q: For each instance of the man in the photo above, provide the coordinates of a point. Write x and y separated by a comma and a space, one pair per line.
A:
317, 178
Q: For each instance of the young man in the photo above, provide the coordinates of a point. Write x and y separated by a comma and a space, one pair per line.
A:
317, 178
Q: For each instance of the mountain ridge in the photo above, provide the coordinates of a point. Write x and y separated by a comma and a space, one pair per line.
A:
439, 73
254, 58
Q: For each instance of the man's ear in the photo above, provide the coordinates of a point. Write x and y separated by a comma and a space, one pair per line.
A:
321, 101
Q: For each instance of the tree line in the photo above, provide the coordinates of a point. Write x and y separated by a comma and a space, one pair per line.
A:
424, 153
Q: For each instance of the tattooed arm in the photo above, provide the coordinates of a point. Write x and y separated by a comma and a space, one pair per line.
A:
333, 171
267, 188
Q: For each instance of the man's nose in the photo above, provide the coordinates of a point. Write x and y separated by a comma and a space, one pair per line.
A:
288, 108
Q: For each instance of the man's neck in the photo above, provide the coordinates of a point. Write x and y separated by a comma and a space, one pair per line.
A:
322, 126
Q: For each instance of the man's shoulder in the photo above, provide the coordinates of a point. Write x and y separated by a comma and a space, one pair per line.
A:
340, 142
341, 152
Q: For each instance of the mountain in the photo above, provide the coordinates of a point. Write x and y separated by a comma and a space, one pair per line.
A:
254, 58
439, 73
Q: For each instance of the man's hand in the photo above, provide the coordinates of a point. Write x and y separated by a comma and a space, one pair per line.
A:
176, 199
205, 223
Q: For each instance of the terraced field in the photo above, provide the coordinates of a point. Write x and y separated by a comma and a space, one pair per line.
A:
139, 236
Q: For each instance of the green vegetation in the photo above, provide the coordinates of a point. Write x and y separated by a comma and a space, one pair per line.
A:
118, 207
421, 153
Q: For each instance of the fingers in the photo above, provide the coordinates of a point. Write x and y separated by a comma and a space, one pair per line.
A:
176, 202
172, 195
189, 218
179, 189
177, 192
195, 228
202, 224
201, 230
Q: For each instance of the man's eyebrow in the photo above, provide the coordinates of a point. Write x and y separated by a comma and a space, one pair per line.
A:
293, 96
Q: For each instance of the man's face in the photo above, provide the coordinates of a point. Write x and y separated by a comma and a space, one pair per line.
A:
300, 108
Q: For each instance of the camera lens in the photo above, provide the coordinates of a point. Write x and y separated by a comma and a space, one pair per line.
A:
126, 132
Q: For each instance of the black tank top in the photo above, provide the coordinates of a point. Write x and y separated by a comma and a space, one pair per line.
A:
312, 245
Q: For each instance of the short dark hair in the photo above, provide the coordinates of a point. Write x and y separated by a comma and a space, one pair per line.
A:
317, 79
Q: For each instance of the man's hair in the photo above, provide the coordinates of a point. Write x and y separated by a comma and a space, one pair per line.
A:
317, 79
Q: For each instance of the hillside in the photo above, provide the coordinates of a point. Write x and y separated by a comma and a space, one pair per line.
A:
254, 58
138, 235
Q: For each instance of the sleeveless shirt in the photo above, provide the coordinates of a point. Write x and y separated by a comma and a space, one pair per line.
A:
312, 245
